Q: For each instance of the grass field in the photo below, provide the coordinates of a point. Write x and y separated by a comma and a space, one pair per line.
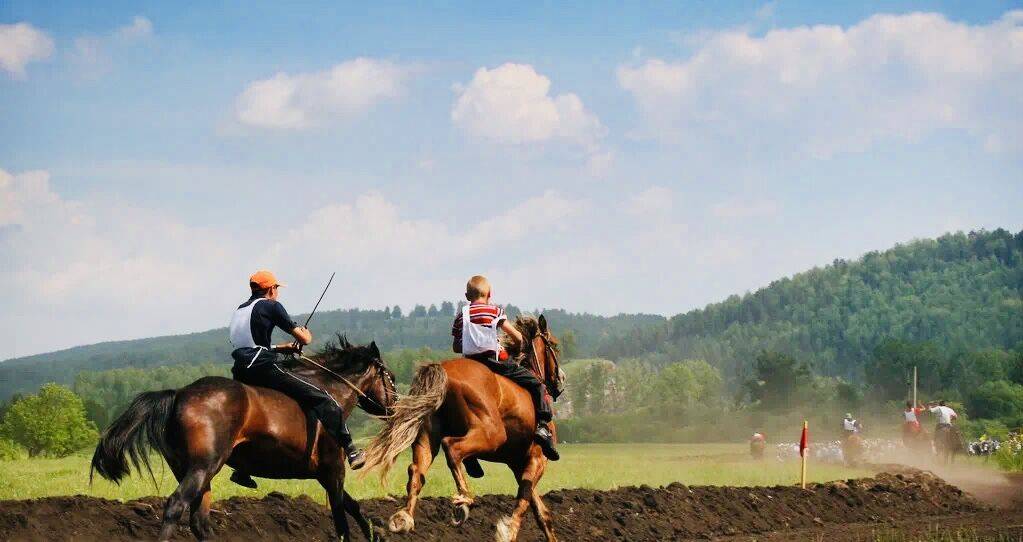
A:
596, 466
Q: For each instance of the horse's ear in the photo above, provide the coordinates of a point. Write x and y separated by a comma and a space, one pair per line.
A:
374, 350
543, 323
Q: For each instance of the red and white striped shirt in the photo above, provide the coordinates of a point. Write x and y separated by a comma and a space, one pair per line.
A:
483, 314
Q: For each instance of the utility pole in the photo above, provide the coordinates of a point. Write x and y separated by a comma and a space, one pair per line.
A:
914, 387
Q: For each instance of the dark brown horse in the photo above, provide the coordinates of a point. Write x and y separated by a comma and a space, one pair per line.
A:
216, 421
853, 449
462, 406
948, 442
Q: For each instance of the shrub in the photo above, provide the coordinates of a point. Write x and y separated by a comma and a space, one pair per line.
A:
51, 422
10, 450
1010, 456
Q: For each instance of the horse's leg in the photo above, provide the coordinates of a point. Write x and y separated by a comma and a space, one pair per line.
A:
423, 451
332, 478
187, 492
543, 516
353, 509
483, 435
508, 526
540, 511
200, 519
204, 460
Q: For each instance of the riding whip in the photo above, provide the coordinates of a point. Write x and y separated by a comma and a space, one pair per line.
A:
306, 325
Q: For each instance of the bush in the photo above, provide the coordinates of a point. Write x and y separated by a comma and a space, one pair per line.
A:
1010, 456
991, 428
50, 423
10, 450
995, 399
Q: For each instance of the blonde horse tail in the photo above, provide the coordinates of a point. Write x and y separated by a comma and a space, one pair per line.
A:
408, 416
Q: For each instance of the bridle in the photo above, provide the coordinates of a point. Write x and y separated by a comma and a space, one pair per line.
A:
550, 354
390, 388
383, 373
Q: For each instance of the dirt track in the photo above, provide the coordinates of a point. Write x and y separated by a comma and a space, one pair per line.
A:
853, 510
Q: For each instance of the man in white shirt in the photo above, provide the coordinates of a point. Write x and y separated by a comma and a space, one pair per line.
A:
944, 413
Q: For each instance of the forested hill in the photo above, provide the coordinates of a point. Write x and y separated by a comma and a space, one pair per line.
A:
390, 328
960, 292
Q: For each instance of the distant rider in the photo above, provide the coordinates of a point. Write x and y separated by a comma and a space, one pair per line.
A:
944, 413
851, 425
474, 335
255, 363
911, 422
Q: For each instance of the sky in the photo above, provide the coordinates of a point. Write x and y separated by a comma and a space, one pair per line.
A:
599, 157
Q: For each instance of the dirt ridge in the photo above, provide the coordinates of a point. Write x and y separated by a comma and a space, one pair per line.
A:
641, 513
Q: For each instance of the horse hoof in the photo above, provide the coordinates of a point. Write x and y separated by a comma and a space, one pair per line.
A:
401, 522
504, 530
459, 515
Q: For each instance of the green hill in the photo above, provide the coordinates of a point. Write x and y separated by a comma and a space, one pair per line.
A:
960, 292
422, 327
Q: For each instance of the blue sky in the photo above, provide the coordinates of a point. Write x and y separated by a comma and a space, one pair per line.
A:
592, 156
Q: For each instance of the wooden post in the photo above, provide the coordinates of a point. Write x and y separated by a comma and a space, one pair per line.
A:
804, 440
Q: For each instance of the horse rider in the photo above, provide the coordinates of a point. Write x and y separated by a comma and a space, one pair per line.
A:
255, 363
911, 415
474, 335
850, 425
944, 413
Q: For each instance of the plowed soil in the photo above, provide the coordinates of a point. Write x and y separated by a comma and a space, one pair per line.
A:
909, 502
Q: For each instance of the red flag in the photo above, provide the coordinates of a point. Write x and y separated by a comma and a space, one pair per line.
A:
804, 441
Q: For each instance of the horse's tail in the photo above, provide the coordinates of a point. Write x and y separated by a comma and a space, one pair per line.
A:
409, 414
142, 427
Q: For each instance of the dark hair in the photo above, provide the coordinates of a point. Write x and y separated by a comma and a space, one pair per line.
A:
909, 404
942, 402
257, 291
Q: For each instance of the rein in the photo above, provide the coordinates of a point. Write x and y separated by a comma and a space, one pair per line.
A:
347, 382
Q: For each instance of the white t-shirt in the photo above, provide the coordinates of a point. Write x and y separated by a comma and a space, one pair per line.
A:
849, 425
945, 414
910, 415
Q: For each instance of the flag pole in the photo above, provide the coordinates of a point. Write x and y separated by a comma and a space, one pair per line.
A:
804, 447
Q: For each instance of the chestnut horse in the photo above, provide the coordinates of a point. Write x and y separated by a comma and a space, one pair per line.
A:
216, 421
474, 414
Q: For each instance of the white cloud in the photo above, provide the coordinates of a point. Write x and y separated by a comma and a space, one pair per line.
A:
512, 104
739, 209
93, 54
656, 201
21, 44
140, 27
92, 269
827, 89
303, 100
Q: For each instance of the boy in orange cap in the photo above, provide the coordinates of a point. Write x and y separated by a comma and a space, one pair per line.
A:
255, 363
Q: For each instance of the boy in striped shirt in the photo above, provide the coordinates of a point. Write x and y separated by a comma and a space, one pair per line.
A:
475, 336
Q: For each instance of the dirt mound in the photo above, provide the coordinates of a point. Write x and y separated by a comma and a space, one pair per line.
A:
634, 513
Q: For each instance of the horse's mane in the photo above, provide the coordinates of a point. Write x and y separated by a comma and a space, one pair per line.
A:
529, 326
340, 355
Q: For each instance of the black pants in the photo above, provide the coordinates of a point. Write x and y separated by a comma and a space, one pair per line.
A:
261, 369
523, 377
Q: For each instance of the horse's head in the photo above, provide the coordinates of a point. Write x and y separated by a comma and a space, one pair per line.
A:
545, 352
365, 368
381, 393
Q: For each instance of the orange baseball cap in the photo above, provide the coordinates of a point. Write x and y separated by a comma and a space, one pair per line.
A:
264, 279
